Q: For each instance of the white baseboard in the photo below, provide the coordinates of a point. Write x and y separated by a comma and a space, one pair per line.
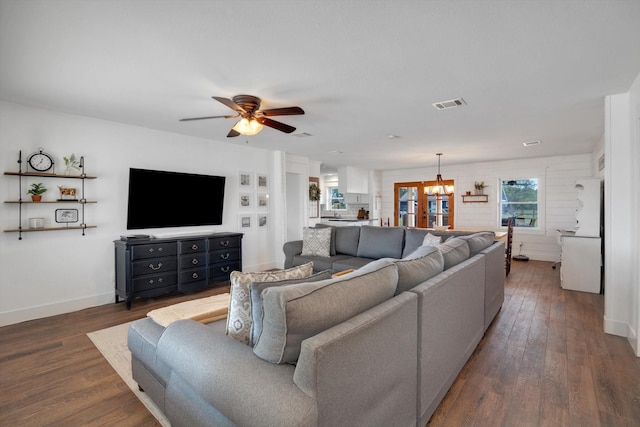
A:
53, 309
615, 327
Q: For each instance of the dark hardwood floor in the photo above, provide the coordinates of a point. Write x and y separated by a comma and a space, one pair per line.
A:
544, 361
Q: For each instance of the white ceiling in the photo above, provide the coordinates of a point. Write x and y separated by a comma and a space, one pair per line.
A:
529, 70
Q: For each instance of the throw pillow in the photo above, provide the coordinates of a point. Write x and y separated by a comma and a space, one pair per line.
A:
332, 250
294, 313
316, 242
431, 240
239, 317
255, 291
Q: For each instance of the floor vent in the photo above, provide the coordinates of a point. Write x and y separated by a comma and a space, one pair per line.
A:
450, 104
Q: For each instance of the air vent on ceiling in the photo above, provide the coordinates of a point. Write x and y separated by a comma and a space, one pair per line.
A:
302, 134
452, 103
530, 143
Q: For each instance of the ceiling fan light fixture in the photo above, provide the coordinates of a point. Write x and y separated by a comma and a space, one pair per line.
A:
248, 127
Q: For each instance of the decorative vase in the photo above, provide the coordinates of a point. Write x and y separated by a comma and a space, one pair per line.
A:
36, 197
479, 192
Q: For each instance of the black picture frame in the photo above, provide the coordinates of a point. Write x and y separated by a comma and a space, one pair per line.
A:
66, 216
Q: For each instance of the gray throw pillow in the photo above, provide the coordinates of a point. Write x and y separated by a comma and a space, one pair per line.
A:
255, 291
380, 242
294, 313
316, 242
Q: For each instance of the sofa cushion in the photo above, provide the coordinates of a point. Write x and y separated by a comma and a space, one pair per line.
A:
316, 241
255, 292
239, 317
413, 239
350, 263
479, 241
380, 242
296, 312
454, 251
421, 265
347, 240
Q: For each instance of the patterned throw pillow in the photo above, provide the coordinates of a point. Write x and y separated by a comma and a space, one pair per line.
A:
316, 241
239, 317
431, 240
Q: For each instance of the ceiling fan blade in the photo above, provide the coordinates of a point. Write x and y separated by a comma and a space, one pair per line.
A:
229, 103
233, 133
287, 111
276, 125
208, 117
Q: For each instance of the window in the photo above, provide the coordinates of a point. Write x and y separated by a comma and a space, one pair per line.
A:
336, 199
519, 202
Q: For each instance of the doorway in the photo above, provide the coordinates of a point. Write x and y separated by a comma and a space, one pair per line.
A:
414, 208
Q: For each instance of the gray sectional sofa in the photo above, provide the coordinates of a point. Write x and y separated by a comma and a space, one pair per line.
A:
325, 357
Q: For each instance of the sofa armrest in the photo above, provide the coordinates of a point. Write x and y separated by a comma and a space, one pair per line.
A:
226, 375
291, 249
494, 281
364, 370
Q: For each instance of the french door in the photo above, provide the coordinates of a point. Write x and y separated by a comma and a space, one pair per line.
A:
414, 208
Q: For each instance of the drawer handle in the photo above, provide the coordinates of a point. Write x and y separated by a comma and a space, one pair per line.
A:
151, 281
194, 247
225, 256
194, 275
224, 243
160, 280
151, 250
155, 268
194, 261
225, 269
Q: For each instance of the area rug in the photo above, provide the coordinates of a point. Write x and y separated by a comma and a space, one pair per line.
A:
112, 343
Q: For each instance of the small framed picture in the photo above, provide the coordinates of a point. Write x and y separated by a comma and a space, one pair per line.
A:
245, 180
262, 201
263, 221
244, 222
66, 215
245, 200
262, 182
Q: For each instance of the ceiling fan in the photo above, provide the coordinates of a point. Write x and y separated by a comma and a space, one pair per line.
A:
252, 118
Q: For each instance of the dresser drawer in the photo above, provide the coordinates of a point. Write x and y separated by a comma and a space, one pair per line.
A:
153, 250
193, 275
193, 246
156, 265
221, 272
224, 255
224, 242
154, 281
192, 261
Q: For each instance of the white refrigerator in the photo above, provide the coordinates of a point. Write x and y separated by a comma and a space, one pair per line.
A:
582, 247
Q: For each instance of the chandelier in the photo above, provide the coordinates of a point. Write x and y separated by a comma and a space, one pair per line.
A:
439, 188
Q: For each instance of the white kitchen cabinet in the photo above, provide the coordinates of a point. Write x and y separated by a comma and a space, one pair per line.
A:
353, 180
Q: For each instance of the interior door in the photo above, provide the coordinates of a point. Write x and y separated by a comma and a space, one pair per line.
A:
414, 208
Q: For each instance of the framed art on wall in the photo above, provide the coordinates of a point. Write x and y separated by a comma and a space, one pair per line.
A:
263, 221
262, 181
66, 215
262, 201
245, 200
244, 222
245, 180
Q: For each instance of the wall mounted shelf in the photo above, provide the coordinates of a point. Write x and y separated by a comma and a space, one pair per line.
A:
475, 198
81, 199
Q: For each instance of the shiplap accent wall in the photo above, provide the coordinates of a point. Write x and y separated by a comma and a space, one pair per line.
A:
556, 176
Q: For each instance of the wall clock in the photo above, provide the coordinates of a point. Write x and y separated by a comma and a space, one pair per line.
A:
40, 161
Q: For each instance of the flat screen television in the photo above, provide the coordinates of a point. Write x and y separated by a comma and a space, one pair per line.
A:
160, 199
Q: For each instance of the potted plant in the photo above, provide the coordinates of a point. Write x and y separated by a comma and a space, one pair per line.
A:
36, 191
479, 186
71, 164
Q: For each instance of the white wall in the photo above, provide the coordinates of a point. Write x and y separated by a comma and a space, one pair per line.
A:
556, 176
622, 201
53, 272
